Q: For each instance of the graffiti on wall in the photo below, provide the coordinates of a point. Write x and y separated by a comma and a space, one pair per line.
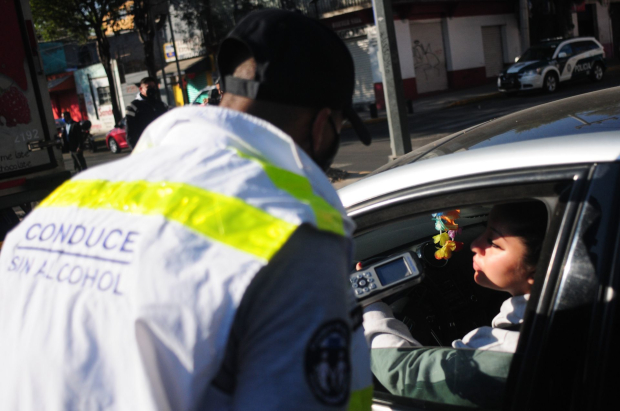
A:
425, 60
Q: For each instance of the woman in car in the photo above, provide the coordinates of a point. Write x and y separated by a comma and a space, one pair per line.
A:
505, 257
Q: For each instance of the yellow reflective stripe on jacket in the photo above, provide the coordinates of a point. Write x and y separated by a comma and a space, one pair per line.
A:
361, 400
225, 219
327, 217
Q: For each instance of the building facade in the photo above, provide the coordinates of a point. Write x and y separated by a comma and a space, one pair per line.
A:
450, 45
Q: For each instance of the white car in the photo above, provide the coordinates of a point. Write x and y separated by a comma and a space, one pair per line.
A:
547, 64
203, 95
565, 154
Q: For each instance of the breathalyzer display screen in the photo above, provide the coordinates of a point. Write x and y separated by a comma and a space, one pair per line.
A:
392, 271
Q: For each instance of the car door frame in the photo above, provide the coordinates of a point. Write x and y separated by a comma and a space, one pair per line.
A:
602, 376
501, 186
560, 361
565, 72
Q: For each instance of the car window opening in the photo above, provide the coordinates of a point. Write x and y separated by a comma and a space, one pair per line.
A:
453, 298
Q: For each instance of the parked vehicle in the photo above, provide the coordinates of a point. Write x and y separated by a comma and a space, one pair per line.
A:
564, 154
60, 124
203, 95
115, 139
545, 65
31, 162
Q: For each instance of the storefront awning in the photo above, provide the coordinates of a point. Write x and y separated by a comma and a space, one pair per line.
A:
61, 83
193, 65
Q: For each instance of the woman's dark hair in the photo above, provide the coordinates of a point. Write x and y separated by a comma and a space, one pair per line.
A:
527, 220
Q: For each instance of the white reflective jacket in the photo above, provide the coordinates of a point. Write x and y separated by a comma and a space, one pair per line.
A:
119, 290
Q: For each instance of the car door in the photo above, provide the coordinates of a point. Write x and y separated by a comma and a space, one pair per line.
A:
584, 59
516, 381
568, 358
602, 374
566, 62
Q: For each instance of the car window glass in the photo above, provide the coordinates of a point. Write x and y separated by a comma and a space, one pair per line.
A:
581, 46
575, 115
567, 49
592, 45
444, 307
572, 116
539, 52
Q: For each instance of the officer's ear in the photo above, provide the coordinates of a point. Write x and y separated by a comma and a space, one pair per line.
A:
322, 136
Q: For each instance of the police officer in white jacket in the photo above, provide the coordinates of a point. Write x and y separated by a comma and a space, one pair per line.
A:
208, 269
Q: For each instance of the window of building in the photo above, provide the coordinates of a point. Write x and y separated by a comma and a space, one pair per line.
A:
104, 95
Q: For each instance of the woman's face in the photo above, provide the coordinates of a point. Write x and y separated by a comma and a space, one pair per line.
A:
498, 259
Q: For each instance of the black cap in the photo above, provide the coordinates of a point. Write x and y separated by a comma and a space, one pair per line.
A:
299, 61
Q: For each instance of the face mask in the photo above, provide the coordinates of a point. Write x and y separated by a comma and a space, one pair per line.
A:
329, 156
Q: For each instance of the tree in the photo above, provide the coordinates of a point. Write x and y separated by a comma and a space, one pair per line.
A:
199, 14
149, 16
81, 20
215, 18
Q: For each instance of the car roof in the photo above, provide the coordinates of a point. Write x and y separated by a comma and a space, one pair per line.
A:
208, 88
589, 113
546, 44
579, 149
574, 39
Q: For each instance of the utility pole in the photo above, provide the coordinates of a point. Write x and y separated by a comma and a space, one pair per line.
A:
316, 8
176, 59
163, 63
400, 141
524, 17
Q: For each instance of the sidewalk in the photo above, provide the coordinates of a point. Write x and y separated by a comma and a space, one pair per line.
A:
441, 100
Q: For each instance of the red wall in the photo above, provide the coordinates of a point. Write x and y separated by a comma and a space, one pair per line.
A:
436, 10
422, 11
609, 50
66, 100
458, 79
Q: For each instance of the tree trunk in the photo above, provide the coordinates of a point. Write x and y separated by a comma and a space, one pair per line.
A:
145, 26
149, 57
103, 50
211, 35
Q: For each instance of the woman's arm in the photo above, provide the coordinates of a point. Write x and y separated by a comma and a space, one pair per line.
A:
382, 330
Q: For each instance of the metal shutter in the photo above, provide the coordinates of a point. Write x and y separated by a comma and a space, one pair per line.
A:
364, 87
493, 53
429, 56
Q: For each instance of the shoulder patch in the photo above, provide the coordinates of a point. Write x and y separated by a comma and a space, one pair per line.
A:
327, 363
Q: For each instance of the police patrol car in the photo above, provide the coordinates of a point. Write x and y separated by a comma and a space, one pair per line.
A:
551, 62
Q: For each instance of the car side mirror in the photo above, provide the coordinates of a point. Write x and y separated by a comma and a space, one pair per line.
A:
562, 55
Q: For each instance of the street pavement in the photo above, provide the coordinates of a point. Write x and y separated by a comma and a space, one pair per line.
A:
103, 155
434, 117
443, 114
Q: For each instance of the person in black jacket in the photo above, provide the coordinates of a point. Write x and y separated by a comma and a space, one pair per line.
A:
75, 139
143, 110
